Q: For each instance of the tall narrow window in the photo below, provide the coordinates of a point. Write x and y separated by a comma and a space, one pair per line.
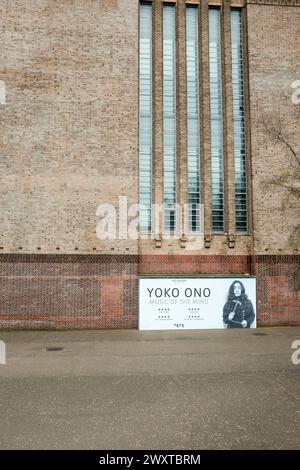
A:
145, 115
169, 117
216, 124
193, 132
239, 138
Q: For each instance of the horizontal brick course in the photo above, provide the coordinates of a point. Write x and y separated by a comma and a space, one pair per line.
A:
102, 291
68, 291
175, 264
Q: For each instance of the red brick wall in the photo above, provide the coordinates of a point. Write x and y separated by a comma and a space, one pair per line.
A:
176, 264
101, 291
68, 291
278, 289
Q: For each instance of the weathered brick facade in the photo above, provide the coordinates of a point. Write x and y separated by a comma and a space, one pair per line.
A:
69, 142
68, 291
69, 137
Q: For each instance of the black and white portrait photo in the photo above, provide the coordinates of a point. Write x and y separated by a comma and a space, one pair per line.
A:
238, 311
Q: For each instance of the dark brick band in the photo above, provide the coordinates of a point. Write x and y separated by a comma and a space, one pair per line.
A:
101, 291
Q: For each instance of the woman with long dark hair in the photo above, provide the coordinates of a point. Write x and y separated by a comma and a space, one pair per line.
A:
238, 312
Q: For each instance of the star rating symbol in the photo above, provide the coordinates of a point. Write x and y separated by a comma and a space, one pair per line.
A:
193, 312
163, 311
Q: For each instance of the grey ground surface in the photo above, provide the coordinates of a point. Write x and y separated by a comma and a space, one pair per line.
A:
207, 389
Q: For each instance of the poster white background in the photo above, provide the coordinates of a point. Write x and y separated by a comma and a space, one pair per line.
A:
187, 303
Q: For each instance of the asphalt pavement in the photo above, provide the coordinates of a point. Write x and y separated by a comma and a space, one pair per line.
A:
125, 389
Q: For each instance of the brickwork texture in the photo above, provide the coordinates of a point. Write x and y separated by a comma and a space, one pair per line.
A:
69, 142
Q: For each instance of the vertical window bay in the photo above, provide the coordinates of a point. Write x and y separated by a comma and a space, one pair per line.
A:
169, 117
216, 122
145, 117
193, 119
239, 135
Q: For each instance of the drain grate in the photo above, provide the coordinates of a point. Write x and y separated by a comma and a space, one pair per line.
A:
54, 348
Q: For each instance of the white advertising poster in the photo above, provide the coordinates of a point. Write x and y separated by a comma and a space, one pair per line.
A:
196, 303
